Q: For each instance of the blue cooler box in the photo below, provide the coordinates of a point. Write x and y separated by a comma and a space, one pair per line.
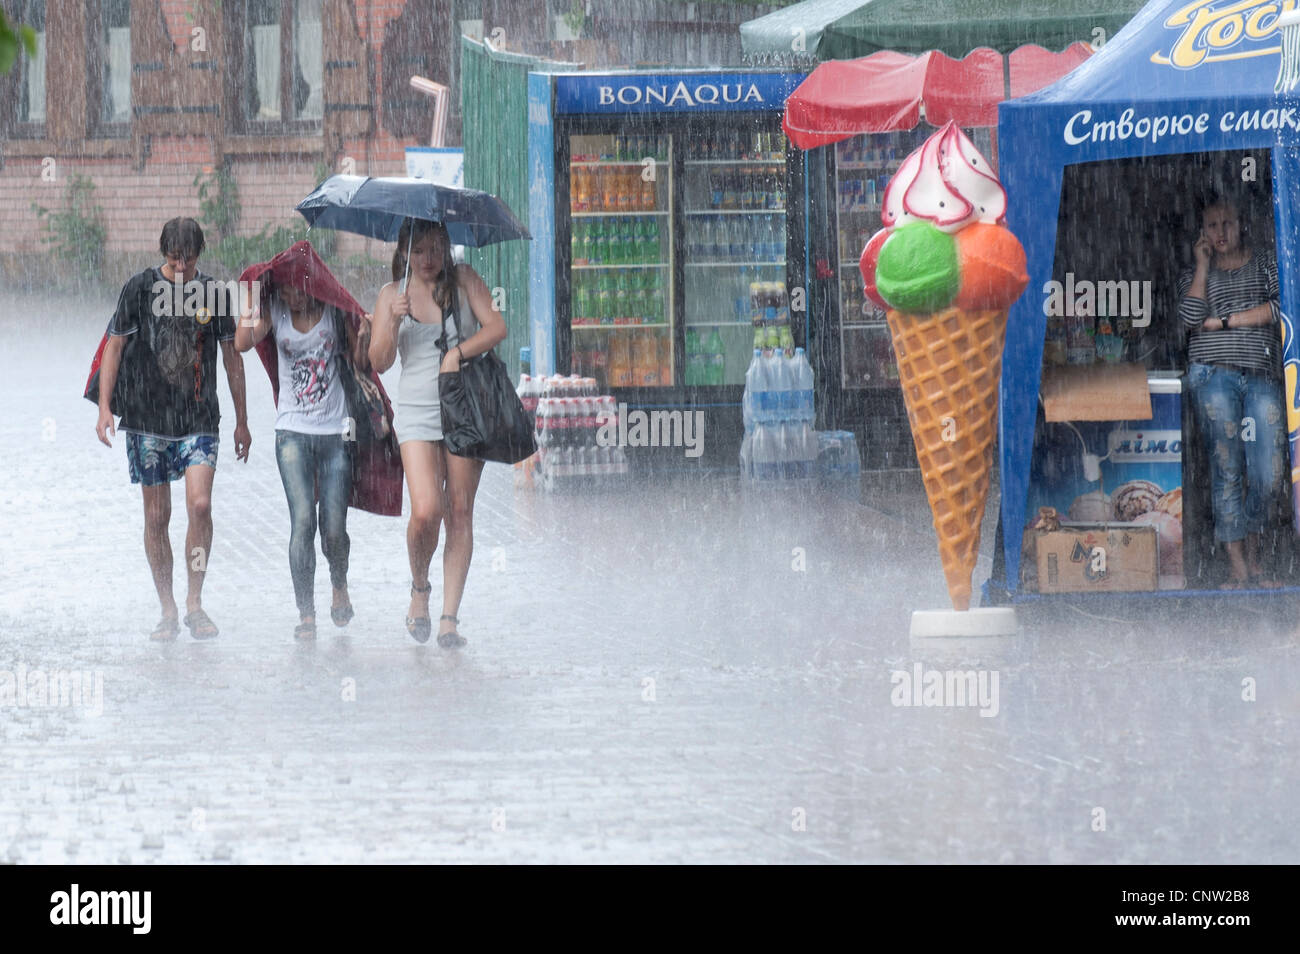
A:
1141, 474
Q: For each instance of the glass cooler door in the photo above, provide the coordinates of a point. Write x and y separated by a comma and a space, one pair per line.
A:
621, 260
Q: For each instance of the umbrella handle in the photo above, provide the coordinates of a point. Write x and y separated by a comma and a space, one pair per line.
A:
406, 279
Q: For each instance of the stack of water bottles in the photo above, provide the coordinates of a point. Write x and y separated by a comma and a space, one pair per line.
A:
779, 444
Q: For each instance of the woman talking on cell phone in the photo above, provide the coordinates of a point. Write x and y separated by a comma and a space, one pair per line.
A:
442, 486
1228, 302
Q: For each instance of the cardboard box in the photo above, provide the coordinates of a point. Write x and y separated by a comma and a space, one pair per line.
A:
1118, 558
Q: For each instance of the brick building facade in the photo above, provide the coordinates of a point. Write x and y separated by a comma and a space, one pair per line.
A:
141, 96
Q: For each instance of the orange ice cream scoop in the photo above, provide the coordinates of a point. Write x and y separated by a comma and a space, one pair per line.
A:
991, 262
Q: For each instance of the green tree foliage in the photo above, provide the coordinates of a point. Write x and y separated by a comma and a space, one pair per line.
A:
10, 42
77, 232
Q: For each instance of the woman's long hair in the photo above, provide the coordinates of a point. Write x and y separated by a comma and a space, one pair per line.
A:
444, 284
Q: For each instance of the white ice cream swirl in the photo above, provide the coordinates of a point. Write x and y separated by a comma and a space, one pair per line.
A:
946, 182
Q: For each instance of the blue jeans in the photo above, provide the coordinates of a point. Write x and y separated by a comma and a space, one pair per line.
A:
312, 463
1243, 424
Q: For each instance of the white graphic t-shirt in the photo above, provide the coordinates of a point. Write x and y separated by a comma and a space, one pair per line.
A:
311, 396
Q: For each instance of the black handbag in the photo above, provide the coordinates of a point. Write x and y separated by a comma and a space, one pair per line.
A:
482, 416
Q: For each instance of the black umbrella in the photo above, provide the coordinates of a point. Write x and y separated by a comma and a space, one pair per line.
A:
376, 208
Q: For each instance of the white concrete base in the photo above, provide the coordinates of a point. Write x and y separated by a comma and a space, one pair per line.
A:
986, 621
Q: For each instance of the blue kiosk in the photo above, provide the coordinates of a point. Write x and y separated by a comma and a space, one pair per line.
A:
1102, 170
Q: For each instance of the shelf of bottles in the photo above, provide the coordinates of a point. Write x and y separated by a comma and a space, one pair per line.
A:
734, 262
863, 168
621, 259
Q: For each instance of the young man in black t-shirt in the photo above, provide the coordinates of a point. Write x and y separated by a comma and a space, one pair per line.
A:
165, 388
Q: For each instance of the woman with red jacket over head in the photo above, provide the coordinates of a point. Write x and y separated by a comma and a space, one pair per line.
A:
313, 339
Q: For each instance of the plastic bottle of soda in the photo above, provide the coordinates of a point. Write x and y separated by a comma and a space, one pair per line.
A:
618, 307
575, 421
614, 228
608, 189
645, 360
584, 189
590, 284
542, 425
625, 190
525, 385
593, 411
631, 241
641, 242
716, 372
577, 299
620, 361
575, 245
730, 199
601, 299
635, 299
692, 357
606, 429
573, 415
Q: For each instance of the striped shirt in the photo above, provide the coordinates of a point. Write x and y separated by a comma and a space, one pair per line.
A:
1255, 349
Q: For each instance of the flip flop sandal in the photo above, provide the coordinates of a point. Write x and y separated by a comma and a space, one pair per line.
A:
201, 625
304, 631
342, 615
420, 626
167, 629
452, 639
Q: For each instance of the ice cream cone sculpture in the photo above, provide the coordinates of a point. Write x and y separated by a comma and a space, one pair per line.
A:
946, 271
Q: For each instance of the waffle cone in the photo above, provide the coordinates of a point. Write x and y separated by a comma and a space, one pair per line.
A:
949, 364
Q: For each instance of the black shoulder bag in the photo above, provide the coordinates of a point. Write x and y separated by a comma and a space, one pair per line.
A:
482, 416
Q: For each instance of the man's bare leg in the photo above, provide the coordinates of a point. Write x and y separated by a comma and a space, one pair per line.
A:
158, 549
198, 537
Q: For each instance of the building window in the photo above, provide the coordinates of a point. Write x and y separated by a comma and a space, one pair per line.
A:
109, 64
31, 97
283, 69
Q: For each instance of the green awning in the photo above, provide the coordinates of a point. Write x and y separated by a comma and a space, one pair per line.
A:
795, 29
916, 26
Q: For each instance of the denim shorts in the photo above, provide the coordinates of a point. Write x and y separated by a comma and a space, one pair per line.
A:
157, 460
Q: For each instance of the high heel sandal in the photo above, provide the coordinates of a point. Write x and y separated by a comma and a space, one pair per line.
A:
420, 626
452, 639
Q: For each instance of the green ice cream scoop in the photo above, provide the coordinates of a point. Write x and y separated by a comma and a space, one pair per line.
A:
917, 269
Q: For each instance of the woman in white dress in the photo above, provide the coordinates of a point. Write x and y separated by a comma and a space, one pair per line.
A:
442, 486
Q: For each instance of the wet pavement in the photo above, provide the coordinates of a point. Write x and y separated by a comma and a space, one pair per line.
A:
677, 671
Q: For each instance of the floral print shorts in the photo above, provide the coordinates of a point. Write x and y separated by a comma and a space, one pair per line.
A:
157, 460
